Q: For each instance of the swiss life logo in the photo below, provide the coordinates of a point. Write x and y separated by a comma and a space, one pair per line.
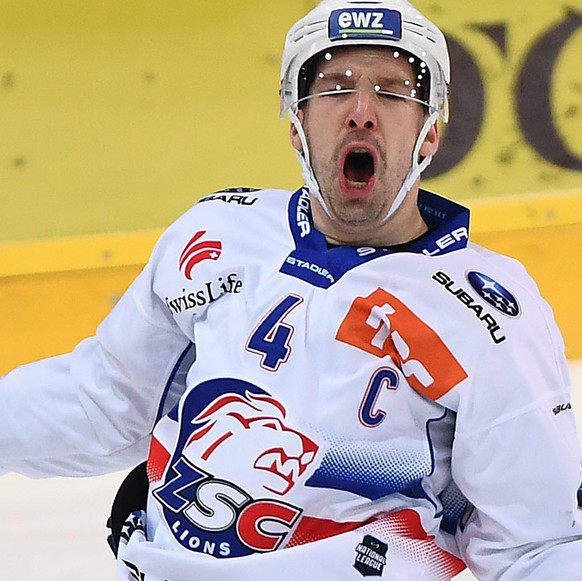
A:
197, 250
373, 23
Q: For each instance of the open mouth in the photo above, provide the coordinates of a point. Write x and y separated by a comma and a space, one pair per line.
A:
359, 170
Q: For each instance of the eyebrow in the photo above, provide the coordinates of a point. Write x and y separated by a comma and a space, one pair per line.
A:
386, 83
338, 76
331, 76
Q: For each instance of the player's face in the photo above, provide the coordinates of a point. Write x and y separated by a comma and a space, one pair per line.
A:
361, 143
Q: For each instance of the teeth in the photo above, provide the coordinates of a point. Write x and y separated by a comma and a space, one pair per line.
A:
356, 185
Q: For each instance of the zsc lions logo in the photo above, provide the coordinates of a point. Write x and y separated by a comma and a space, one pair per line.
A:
236, 461
493, 293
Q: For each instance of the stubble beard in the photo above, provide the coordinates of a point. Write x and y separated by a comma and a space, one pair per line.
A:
358, 215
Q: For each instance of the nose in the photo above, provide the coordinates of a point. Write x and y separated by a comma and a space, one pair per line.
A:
362, 113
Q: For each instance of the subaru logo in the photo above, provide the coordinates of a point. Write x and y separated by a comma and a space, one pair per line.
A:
494, 293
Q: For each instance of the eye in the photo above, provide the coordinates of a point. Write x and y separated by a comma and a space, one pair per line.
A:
390, 96
333, 84
334, 92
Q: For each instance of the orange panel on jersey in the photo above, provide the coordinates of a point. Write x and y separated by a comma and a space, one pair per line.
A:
384, 326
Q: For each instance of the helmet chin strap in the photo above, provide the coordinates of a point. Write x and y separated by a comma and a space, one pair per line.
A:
413, 173
305, 162
417, 167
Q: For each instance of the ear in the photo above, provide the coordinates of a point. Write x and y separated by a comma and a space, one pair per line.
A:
431, 141
294, 134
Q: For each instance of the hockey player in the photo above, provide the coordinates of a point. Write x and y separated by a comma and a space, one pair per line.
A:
332, 383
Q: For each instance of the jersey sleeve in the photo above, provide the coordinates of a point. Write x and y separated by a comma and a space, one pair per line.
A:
92, 411
517, 459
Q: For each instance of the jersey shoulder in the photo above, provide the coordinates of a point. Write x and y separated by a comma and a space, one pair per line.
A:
236, 218
244, 197
234, 211
507, 286
510, 274
510, 267
494, 292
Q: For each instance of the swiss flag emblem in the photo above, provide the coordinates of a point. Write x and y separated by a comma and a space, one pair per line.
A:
198, 250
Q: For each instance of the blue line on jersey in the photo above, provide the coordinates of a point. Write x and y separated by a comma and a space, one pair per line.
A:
315, 262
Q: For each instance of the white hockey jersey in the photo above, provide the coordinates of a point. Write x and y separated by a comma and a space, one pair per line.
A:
313, 412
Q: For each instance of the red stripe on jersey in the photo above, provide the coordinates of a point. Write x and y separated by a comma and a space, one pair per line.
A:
402, 530
311, 529
405, 523
157, 461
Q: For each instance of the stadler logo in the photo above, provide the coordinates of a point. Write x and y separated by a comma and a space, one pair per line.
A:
493, 293
365, 23
198, 250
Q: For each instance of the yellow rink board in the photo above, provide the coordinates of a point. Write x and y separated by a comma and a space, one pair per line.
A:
55, 292
116, 115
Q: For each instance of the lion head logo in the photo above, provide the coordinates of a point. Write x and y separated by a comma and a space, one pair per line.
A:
243, 437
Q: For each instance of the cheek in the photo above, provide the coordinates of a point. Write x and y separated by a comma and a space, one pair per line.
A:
320, 126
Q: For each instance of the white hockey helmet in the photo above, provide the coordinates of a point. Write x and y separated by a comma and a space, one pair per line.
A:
391, 23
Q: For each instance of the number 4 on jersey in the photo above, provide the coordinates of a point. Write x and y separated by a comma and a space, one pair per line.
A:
271, 339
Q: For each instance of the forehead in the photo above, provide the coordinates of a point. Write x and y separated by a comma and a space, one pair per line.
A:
373, 60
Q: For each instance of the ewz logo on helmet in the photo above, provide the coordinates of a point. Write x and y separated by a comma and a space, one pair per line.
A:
367, 23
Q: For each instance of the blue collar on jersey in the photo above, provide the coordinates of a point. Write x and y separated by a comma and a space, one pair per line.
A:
314, 262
